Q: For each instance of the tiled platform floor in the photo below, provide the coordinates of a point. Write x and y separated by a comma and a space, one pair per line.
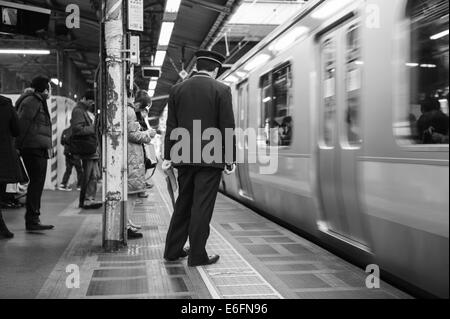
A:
259, 259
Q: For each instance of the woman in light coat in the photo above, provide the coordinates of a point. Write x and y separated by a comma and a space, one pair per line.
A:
136, 165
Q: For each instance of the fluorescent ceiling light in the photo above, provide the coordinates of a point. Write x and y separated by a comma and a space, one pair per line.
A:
265, 13
413, 65
159, 58
152, 85
166, 33
267, 99
288, 38
359, 62
231, 78
24, 51
55, 81
439, 35
430, 66
241, 74
329, 8
172, 6
256, 62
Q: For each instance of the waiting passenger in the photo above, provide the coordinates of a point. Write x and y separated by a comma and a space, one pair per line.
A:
35, 146
72, 161
10, 171
84, 143
433, 125
286, 131
136, 166
142, 104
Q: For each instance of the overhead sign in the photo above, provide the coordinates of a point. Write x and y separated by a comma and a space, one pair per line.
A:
15, 18
136, 15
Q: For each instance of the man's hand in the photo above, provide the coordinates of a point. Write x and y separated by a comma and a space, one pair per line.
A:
152, 133
230, 168
166, 165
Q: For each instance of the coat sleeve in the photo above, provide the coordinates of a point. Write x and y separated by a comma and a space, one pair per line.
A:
14, 122
171, 124
135, 135
27, 112
226, 121
79, 125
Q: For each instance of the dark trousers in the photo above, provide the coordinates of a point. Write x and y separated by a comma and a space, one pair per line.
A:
89, 180
71, 162
2, 192
36, 164
198, 187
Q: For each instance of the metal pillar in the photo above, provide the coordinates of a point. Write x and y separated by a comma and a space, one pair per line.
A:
115, 170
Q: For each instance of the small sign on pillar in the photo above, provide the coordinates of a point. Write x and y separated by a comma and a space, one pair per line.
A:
136, 15
135, 50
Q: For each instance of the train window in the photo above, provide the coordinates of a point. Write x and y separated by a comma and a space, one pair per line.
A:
426, 121
329, 92
353, 87
277, 106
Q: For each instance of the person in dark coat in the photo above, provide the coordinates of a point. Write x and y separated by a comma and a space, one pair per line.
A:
84, 130
200, 98
71, 162
35, 146
10, 171
433, 125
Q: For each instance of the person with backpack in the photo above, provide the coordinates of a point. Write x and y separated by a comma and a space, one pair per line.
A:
84, 143
72, 161
35, 146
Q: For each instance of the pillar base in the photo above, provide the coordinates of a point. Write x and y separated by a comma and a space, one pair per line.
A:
111, 246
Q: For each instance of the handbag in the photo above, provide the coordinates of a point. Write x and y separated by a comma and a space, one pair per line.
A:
83, 144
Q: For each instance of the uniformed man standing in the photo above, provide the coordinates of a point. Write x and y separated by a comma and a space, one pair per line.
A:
200, 100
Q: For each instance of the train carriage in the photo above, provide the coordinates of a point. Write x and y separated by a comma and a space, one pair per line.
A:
337, 93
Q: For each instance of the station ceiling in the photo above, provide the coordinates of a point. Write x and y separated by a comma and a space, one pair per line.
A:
200, 24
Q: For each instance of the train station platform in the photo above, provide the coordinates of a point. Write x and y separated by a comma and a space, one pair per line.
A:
259, 259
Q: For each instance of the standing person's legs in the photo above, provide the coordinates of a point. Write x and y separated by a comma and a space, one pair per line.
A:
207, 181
84, 182
131, 232
4, 231
179, 224
68, 172
91, 190
79, 169
37, 170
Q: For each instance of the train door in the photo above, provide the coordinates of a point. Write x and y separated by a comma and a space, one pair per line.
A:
340, 131
245, 188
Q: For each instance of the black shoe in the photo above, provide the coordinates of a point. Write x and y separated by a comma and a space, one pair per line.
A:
92, 205
211, 260
183, 254
4, 232
38, 226
133, 234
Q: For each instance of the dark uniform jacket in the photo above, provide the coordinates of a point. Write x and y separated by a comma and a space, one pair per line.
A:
209, 101
9, 128
35, 123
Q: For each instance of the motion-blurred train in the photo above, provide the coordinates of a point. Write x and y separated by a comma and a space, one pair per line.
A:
338, 91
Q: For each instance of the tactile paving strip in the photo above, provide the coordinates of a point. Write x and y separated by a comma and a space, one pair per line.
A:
225, 279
